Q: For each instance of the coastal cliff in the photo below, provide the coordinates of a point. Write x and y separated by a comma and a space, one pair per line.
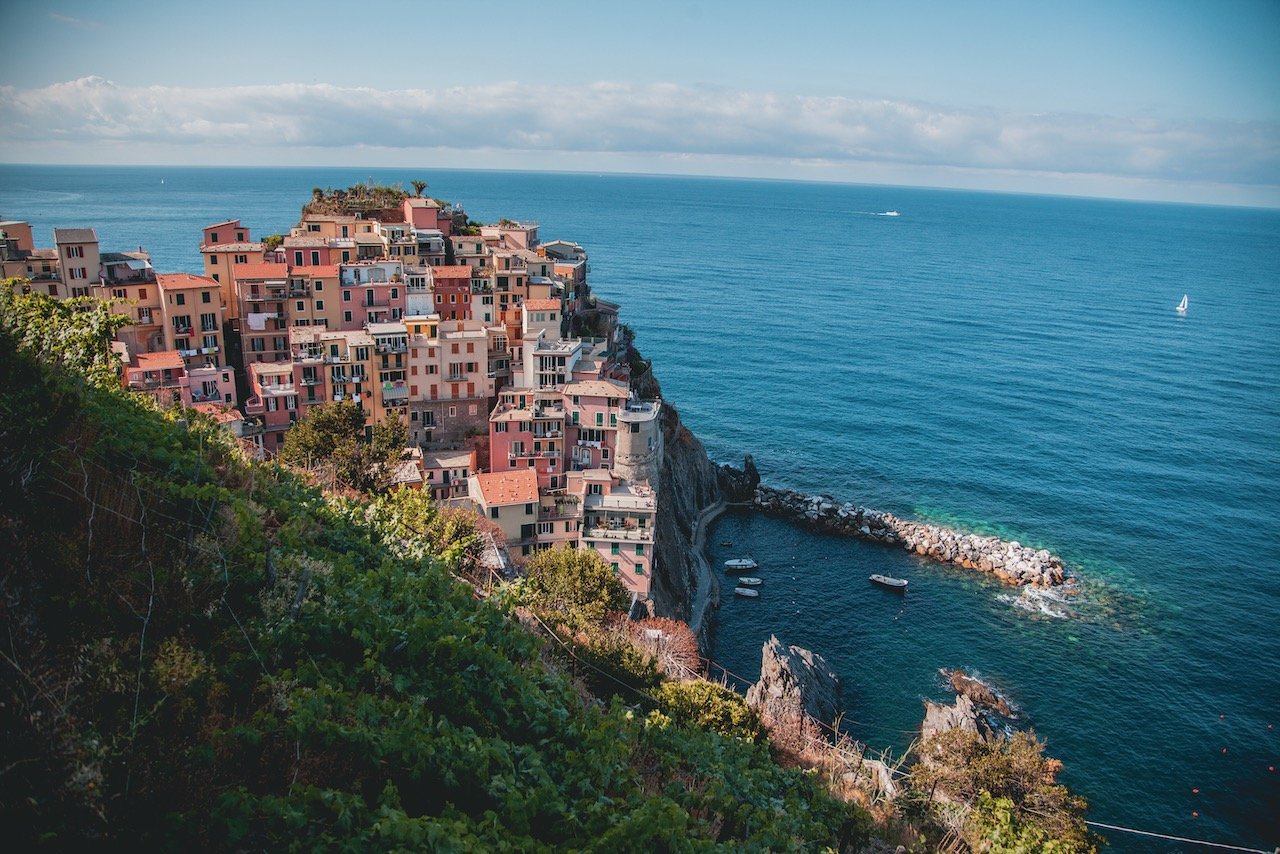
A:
690, 488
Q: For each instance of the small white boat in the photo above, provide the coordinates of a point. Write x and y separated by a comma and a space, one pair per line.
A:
746, 592
898, 584
1182, 306
749, 581
890, 213
740, 564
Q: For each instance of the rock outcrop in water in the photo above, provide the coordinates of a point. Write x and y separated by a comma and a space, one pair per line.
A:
1011, 562
795, 683
977, 709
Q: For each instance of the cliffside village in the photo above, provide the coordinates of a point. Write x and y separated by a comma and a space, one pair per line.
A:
453, 334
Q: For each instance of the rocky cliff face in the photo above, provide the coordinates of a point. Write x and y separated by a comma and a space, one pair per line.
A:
688, 485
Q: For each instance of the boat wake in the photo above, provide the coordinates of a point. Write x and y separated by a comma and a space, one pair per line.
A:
1045, 601
877, 213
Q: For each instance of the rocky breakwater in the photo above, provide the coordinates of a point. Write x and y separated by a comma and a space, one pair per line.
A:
1011, 562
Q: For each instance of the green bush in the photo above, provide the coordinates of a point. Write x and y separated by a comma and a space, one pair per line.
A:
709, 706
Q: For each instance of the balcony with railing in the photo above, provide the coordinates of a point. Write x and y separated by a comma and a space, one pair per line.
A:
270, 294
393, 346
641, 535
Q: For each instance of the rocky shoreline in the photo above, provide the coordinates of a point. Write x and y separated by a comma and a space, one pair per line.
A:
1011, 562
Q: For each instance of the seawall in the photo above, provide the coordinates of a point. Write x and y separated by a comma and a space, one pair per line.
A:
1011, 562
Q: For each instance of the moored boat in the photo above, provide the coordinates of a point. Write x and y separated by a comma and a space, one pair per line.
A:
749, 581
898, 584
746, 592
740, 564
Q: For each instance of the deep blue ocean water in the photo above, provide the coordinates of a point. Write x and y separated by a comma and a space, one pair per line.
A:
1009, 364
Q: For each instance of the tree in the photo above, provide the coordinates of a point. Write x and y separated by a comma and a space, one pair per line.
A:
418, 187
74, 334
575, 587
330, 440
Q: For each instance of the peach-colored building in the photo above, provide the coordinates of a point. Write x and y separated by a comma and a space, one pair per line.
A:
263, 290
79, 260
510, 501
225, 247
192, 314
273, 400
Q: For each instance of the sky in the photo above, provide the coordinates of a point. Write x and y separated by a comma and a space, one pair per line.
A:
1169, 100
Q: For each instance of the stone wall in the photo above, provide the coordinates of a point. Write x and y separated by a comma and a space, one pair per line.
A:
1011, 562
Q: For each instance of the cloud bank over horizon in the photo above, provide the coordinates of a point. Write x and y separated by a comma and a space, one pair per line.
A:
664, 120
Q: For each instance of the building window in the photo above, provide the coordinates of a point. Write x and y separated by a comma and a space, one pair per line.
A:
599, 419
301, 306
297, 259
315, 258
346, 316
528, 510
614, 549
242, 259
319, 305
206, 296
545, 527
453, 412
346, 296
179, 299
319, 286
493, 512
639, 548
615, 568
500, 427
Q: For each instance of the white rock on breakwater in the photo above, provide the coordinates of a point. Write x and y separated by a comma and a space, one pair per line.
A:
1011, 562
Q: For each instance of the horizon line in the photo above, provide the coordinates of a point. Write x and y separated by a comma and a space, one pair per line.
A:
672, 175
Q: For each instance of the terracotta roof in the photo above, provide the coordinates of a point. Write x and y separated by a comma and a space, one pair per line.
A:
319, 271
178, 281
159, 361
234, 222
596, 388
508, 487
267, 270
457, 271
541, 304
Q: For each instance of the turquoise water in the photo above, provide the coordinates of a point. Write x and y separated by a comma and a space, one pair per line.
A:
1011, 364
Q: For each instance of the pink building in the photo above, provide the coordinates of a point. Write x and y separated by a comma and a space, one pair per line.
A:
161, 375
273, 398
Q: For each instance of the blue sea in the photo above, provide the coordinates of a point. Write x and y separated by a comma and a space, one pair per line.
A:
1008, 364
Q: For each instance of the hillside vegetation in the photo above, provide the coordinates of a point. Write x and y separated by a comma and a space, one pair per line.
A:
203, 651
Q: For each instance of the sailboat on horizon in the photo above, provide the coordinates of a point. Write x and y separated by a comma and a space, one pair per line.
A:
1182, 306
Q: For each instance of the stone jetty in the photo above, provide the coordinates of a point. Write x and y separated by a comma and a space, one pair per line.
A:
1011, 562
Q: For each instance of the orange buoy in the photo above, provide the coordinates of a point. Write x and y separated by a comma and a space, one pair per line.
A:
1195, 814
1195, 791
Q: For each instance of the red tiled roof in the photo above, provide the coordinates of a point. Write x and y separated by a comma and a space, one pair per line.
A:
179, 281
541, 304
508, 487
458, 271
262, 271
159, 361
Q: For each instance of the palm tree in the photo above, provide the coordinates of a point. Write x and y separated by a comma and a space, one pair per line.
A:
418, 187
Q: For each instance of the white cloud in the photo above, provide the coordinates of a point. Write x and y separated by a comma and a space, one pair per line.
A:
78, 23
618, 119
